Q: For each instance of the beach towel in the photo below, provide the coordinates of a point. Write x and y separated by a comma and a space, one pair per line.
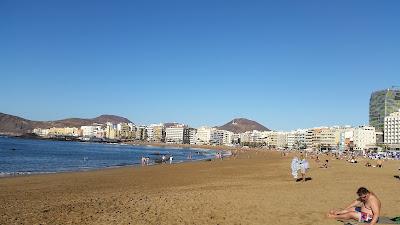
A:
382, 220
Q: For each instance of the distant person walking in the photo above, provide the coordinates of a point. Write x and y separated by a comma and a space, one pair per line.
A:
303, 167
170, 159
379, 163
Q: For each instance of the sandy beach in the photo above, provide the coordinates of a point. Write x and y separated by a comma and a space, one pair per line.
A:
255, 188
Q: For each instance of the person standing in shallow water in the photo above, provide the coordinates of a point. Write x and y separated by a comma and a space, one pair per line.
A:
366, 208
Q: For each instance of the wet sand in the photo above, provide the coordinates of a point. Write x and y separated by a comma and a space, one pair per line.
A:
255, 188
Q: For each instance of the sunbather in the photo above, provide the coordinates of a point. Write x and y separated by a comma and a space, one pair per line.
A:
366, 208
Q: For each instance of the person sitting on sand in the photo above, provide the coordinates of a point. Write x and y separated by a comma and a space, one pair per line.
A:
366, 208
379, 163
368, 164
325, 165
353, 160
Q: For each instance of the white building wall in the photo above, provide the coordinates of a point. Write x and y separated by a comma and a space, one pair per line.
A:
150, 132
281, 139
392, 129
203, 135
174, 134
291, 139
41, 132
90, 131
364, 136
222, 137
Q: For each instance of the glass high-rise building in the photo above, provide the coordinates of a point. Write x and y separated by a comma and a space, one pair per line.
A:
381, 104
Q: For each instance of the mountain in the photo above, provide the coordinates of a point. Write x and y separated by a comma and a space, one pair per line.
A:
14, 125
241, 125
111, 118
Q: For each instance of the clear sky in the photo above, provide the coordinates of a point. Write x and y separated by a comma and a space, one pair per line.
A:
286, 64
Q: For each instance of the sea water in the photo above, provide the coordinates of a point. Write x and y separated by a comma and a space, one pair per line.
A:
31, 156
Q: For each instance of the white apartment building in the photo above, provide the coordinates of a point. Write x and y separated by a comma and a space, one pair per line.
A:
291, 139
41, 132
111, 131
392, 129
90, 131
308, 139
155, 132
189, 136
277, 139
141, 133
222, 137
281, 139
326, 137
174, 134
363, 137
259, 136
126, 131
203, 135
150, 132
298, 138
246, 137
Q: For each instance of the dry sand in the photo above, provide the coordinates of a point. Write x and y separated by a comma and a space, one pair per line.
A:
256, 188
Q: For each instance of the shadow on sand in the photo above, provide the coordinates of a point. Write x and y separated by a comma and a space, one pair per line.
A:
307, 179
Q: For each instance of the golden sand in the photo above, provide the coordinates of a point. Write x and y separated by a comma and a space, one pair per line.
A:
255, 188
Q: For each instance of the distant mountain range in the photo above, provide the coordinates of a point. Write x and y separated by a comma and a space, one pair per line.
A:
14, 125
241, 125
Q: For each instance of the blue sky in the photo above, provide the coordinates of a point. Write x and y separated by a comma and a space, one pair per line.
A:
286, 64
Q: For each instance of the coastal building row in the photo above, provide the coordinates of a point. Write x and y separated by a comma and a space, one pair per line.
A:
176, 134
328, 138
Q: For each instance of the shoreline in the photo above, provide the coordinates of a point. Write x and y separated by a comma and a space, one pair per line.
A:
142, 143
179, 147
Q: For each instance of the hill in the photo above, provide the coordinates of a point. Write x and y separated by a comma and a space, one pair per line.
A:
14, 125
241, 125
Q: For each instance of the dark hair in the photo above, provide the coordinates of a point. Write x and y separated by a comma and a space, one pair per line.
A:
362, 191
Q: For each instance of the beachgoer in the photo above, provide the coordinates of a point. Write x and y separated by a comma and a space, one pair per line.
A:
325, 165
379, 163
303, 167
366, 208
170, 159
143, 161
